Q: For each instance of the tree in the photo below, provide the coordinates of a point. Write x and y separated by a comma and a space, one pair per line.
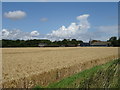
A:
119, 41
35, 43
113, 41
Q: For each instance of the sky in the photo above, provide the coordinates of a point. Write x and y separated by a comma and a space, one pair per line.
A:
60, 0
59, 20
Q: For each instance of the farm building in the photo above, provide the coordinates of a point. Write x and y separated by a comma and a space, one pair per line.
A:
96, 43
101, 43
85, 44
42, 44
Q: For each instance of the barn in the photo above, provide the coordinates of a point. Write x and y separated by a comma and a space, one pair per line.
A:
101, 43
42, 44
96, 43
84, 44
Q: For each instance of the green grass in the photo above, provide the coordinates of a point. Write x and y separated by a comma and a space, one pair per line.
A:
102, 76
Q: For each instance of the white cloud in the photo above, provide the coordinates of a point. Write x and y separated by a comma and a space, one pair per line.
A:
74, 30
100, 33
34, 33
84, 21
18, 34
5, 32
79, 30
15, 14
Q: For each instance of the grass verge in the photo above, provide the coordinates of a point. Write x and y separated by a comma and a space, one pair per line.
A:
101, 76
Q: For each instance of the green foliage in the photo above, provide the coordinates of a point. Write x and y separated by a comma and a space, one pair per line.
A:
114, 41
102, 76
38, 88
66, 43
35, 43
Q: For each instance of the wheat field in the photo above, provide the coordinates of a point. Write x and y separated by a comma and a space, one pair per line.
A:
27, 67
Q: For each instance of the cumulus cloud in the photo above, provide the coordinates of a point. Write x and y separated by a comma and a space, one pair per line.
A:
74, 30
14, 15
18, 34
84, 21
44, 19
34, 33
81, 31
5, 32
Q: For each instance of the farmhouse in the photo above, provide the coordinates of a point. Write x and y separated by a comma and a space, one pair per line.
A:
85, 44
42, 44
101, 43
96, 43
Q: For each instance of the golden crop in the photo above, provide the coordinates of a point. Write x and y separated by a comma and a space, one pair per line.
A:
21, 63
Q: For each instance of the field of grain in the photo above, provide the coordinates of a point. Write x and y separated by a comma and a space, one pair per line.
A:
27, 67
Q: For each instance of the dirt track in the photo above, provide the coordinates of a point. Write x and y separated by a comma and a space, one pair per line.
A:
27, 67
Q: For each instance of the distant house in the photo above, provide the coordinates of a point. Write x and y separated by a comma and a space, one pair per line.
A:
96, 43
84, 44
42, 44
62, 45
101, 43
78, 45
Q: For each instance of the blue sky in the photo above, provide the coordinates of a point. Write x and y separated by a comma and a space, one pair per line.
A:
44, 17
60, 0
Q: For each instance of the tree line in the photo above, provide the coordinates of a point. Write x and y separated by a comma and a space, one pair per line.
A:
36, 42
114, 41
66, 42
